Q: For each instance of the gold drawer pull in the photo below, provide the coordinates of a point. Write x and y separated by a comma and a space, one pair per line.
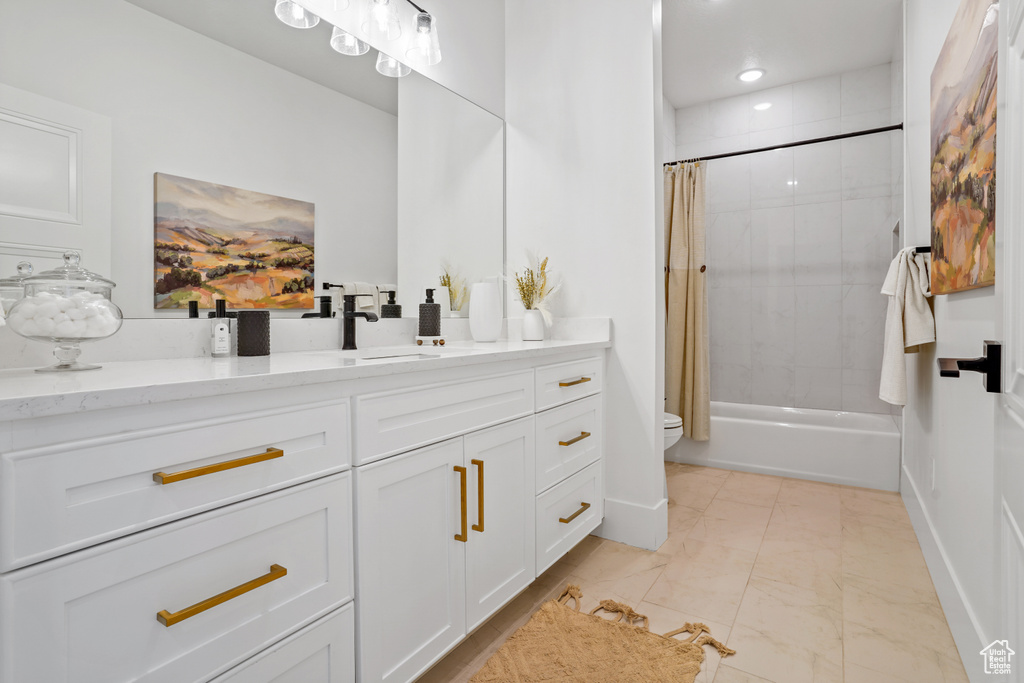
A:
479, 526
168, 619
581, 380
164, 478
464, 536
583, 508
570, 442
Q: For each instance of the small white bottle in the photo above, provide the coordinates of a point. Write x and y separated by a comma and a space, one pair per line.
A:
220, 333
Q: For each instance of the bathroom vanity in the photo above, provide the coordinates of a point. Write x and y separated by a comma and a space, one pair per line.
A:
316, 516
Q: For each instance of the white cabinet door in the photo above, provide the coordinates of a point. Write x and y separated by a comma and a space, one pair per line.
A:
410, 568
500, 554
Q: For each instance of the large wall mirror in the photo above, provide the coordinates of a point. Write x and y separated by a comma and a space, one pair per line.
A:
96, 97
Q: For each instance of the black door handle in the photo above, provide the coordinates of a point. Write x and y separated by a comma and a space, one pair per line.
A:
990, 365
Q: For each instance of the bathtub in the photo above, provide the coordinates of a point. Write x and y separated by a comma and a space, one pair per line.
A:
856, 449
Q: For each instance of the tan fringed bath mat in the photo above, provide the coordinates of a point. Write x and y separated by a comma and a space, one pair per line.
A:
562, 644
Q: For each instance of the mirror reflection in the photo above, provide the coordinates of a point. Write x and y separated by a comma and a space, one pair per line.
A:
404, 178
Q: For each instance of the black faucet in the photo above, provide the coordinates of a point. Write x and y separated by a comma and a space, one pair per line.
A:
350, 314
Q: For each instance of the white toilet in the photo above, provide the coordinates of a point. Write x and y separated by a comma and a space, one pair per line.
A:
673, 429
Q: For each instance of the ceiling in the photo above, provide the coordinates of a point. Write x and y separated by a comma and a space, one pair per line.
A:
251, 27
706, 43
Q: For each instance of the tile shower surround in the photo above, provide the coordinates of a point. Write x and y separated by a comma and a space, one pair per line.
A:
799, 240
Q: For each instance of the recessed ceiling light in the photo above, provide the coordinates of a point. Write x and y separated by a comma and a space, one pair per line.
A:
763, 106
751, 75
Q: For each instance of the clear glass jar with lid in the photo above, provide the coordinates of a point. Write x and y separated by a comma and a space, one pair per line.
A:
66, 306
13, 288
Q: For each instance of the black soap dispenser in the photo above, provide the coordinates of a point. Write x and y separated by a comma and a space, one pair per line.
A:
391, 309
430, 317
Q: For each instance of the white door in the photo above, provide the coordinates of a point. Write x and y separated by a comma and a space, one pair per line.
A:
1009, 462
410, 569
500, 554
54, 183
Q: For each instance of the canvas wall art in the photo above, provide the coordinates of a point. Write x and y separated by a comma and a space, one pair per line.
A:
214, 241
963, 146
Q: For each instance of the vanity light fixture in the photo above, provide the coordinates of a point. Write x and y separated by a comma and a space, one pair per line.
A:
764, 106
391, 67
295, 15
347, 44
751, 75
425, 50
380, 21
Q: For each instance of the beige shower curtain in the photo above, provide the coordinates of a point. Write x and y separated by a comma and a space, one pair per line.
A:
687, 363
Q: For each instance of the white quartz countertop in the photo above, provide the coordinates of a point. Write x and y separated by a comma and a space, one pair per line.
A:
25, 393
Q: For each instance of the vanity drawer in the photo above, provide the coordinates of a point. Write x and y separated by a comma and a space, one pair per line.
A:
72, 495
564, 382
323, 652
568, 512
396, 421
568, 439
92, 616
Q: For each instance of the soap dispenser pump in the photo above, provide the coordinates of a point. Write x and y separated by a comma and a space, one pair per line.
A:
391, 309
430, 317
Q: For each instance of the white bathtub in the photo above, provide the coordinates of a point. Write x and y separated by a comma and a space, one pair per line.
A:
857, 449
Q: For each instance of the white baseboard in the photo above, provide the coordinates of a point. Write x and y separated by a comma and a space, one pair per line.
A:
635, 524
967, 631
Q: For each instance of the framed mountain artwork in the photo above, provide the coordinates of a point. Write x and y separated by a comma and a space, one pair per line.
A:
219, 242
963, 146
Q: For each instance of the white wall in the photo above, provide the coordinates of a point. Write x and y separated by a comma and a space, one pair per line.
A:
799, 240
186, 105
451, 190
948, 423
582, 160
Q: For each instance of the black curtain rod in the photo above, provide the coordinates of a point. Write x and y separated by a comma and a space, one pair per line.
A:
786, 145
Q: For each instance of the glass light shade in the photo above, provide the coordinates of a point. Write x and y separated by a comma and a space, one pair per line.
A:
425, 49
347, 44
295, 15
380, 22
389, 66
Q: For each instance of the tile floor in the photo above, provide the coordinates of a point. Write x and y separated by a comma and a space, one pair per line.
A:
806, 581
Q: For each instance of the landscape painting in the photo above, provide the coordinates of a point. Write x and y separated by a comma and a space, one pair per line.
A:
963, 146
217, 242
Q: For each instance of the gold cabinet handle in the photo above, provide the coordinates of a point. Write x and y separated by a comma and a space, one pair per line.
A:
479, 526
168, 619
581, 380
464, 536
165, 478
573, 440
583, 508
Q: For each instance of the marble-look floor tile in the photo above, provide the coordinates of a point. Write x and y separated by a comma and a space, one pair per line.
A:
663, 620
619, 572
732, 533
727, 674
892, 608
681, 518
693, 490
802, 562
755, 489
902, 656
704, 579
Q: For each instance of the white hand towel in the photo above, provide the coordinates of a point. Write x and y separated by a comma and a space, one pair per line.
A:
369, 304
908, 324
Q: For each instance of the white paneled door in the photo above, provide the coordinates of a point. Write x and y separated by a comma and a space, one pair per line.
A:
54, 182
1010, 287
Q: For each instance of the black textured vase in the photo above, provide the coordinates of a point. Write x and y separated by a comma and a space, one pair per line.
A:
254, 333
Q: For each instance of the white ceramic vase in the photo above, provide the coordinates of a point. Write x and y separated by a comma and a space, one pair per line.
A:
484, 312
533, 326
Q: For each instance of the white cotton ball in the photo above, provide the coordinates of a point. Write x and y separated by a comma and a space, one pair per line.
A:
28, 328
64, 329
65, 304
80, 327
91, 311
48, 309
59, 318
77, 313
27, 309
46, 326
42, 296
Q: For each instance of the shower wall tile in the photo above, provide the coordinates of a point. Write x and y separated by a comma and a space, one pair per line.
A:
865, 121
729, 249
863, 327
693, 124
867, 241
730, 116
760, 139
813, 130
860, 392
730, 382
817, 99
818, 230
728, 186
773, 385
866, 90
817, 170
729, 310
771, 179
779, 115
771, 247
818, 329
773, 326
866, 165
820, 388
